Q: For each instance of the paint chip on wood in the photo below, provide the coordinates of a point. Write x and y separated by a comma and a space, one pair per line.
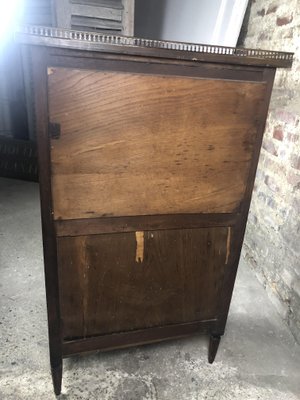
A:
50, 71
139, 255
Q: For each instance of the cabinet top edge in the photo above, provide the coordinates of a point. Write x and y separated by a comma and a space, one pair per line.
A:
101, 42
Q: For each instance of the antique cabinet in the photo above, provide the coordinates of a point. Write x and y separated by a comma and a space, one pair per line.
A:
147, 158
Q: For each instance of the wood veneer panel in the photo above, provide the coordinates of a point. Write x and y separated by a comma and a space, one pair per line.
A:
134, 144
127, 281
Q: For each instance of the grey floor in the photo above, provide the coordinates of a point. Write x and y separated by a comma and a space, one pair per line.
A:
258, 358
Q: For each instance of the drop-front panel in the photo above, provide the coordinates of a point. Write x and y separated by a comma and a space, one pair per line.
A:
147, 159
137, 144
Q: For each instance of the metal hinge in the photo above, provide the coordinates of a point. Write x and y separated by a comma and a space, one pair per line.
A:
54, 130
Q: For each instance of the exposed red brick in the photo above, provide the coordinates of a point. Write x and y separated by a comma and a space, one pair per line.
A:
263, 36
293, 178
271, 203
271, 9
287, 117
284, 20
260, 175
267, 200
296, 205
276, 200
278, 133
276, 167
288, 33
261, 12
295, 161
269, 146
271, 183
292, 138
282, 153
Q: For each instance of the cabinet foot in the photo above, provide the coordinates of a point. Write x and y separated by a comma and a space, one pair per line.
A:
56, 378
213, 347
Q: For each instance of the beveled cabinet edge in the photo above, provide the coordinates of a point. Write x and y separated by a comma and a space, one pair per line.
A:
39, 68
94, 226
240, 229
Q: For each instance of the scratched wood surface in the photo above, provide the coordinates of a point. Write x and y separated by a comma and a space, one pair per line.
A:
127, 281
134, 144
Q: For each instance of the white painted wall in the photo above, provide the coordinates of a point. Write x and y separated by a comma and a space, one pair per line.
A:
199, 21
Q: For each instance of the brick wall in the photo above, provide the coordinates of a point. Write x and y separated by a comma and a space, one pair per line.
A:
272, 241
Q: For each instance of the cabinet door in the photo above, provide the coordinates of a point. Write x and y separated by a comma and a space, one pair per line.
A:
127, 281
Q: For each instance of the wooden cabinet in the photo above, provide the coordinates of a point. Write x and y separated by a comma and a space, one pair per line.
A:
147, 154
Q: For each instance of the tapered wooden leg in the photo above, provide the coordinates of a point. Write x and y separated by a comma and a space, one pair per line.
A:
56, 372
213, 347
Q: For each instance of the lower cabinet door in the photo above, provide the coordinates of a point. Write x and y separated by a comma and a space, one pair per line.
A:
127, 281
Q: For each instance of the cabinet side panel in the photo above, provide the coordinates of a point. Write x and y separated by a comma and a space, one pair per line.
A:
137, 144
39, 71
127, 281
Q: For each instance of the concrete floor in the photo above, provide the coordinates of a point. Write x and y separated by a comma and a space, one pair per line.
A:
257, 359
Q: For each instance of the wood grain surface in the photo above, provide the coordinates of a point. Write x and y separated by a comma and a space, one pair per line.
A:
134, 144
127, 281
